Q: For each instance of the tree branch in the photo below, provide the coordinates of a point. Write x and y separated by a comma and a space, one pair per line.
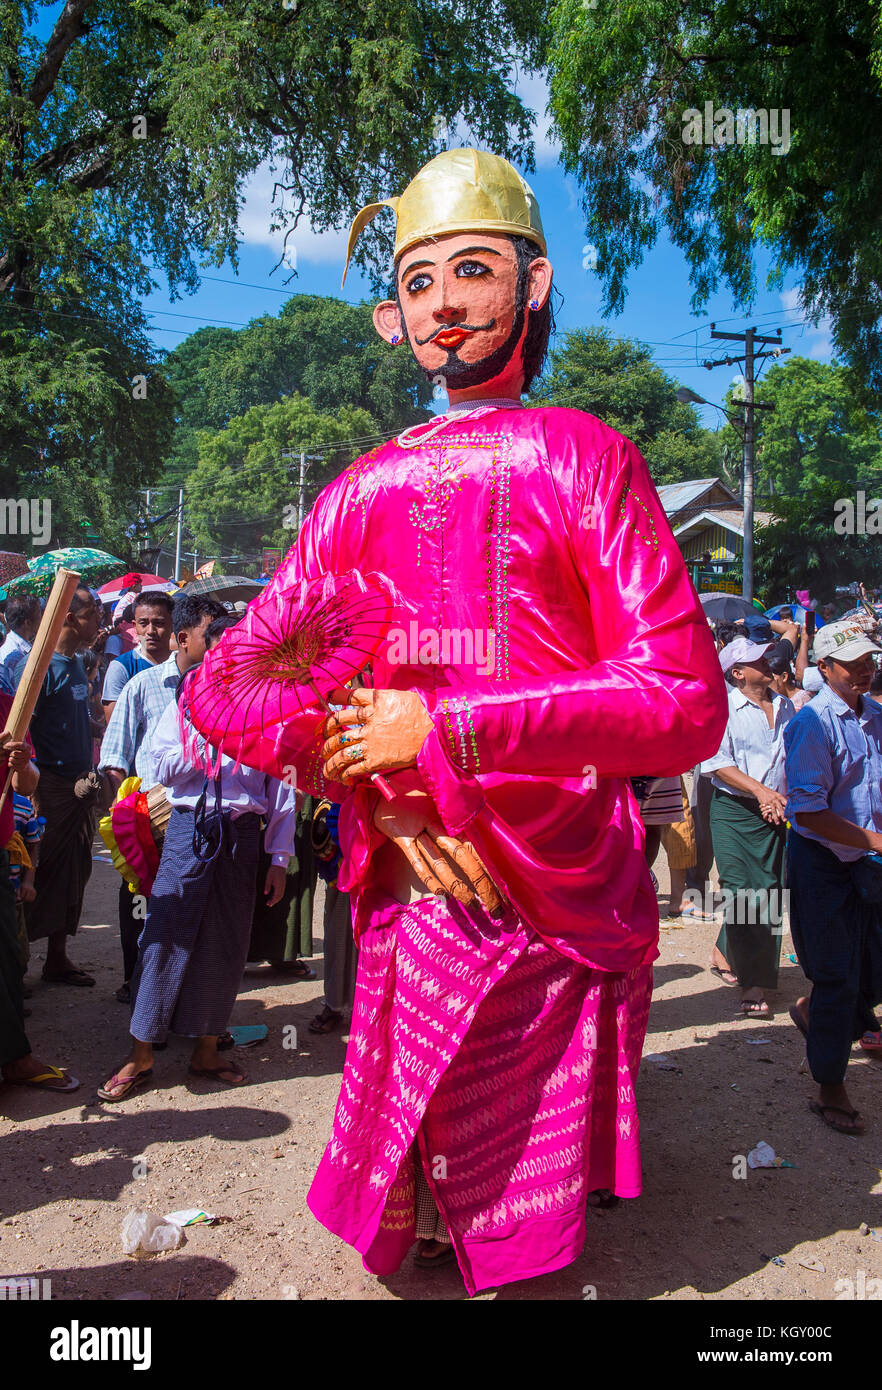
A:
68, 28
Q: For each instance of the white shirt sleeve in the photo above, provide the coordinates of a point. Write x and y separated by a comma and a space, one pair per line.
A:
725, 757
281, 820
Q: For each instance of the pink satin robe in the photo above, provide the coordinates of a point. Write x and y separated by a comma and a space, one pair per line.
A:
544, 527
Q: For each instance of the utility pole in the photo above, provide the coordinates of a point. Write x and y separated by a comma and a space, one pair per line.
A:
301, 493
180, 536
751, 357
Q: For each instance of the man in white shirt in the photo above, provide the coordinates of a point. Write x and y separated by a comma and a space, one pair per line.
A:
747, 819
126, 746
195, 941
152, 616
22, 617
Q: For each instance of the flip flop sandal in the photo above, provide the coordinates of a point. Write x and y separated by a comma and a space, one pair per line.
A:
798, 1019
297, 968
446, 1257
721, 975
871, 1042
326, 1021
69, 977
754, 1008
45, 1078
131, 1084
822, 1110
215, 1074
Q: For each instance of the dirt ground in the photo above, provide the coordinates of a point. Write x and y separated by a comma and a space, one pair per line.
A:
70, 1166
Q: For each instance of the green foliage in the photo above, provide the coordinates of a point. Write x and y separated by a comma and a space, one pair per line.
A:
817, 433
85, 420
623, 74
617, 380
126, 138
243, 495
317, 346
801, 550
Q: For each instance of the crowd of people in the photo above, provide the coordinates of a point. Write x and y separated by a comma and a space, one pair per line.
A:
787, 809
501, 899
245, 891
802, 749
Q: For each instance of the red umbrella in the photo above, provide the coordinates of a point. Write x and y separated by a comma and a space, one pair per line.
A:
114, 589
260, 695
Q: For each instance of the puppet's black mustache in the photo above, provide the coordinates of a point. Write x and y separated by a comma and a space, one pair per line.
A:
451, 327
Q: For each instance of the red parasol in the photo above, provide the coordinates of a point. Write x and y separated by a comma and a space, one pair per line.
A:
150, 583
260, 695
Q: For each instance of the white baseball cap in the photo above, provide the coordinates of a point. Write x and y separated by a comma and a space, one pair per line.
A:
844, 641
742, 651
812, 680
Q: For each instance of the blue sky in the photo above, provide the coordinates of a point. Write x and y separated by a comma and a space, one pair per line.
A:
656, 312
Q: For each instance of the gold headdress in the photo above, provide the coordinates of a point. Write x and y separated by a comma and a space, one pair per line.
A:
458, 191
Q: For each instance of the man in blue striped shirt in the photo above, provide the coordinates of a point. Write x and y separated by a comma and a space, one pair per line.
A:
834, 804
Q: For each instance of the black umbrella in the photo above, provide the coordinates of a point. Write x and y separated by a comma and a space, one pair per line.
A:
725, 608
226, 588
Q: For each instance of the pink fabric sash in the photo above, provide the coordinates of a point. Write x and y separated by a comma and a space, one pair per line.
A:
511, 1066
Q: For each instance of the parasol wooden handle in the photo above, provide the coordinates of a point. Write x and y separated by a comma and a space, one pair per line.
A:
39, 657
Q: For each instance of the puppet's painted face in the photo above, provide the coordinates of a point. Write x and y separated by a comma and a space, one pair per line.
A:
460, 308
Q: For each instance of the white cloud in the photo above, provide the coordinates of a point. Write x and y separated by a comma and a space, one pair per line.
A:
533, 92
255, 214
815, 340
255, 217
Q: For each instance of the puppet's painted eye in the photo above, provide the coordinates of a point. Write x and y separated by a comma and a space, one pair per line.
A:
419, 282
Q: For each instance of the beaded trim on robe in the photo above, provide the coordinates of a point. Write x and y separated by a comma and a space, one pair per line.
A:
430, 516
461, 739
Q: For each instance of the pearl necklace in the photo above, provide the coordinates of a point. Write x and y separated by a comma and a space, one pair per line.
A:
409, 440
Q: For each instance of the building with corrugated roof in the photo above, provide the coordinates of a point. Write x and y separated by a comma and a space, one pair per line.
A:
707, 518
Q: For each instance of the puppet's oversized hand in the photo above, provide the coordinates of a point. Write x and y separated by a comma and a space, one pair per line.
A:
377, 731
443, 863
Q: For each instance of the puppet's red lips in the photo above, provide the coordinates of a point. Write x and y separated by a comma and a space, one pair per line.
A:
451, 337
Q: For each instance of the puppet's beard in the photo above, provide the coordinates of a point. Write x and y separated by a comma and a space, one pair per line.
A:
459, 375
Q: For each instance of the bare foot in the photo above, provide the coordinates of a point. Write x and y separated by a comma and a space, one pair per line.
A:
431, 1249
801, 1007
719, 963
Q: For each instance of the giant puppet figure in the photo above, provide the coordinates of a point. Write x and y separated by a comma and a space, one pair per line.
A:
504, 911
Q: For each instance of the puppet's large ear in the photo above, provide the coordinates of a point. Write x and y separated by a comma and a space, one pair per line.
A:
360, 222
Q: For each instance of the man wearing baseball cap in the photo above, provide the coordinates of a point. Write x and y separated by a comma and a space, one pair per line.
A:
747, 823
834, 776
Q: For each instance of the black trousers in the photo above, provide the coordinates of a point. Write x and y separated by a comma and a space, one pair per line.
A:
13, 1039
838, 940
130, 928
